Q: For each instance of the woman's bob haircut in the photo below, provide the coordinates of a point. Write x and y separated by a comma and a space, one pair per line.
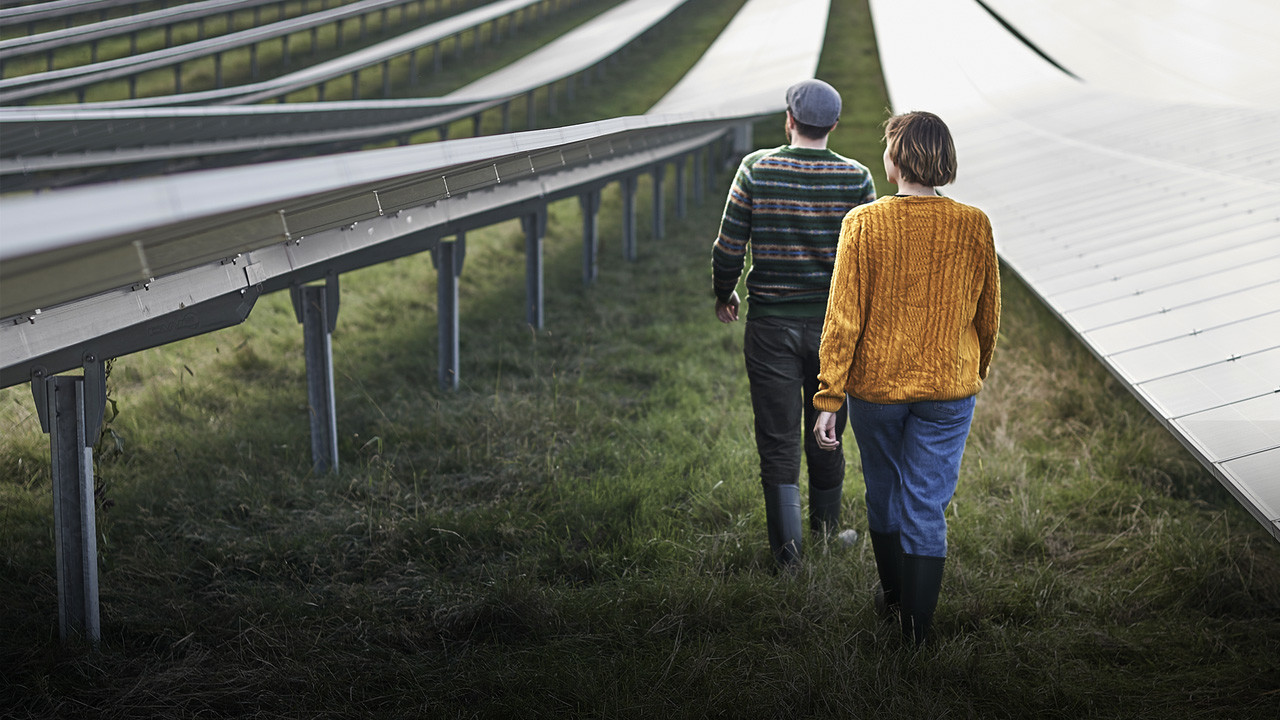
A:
920, 145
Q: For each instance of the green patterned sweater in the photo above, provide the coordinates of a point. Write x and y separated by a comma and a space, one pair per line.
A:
787, 204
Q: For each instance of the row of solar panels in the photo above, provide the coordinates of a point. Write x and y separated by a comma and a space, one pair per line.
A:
18, 12
55, 276
131, 24
24, 87
71, 137
197, 249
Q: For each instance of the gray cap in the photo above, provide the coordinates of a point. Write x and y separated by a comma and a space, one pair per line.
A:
814, 102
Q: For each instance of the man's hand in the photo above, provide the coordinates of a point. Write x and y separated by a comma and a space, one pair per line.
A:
727, 312
824, 431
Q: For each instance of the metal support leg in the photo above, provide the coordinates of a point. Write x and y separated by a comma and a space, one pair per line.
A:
629, 218
682, 188
742, 139
699, 175
590, 204
448, 257
70, 410
316, 307
659, 209
535, 226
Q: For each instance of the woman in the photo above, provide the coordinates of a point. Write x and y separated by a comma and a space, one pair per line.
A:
911, 324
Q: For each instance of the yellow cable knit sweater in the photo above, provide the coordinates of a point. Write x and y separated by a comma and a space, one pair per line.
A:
914, 308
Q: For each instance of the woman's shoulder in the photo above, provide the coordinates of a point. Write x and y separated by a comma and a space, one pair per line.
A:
879, 205
968, 212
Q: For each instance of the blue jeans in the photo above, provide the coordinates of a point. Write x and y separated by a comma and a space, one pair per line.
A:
782, 366
911, 464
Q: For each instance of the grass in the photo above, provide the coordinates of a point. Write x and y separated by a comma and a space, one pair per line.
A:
578, 531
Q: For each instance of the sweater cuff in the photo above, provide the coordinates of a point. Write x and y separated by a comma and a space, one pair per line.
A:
826, 403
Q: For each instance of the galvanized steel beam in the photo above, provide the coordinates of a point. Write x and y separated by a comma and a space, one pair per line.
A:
448, 257
316, 308
71, 411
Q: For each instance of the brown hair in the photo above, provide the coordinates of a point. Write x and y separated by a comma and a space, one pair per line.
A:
812, 132
920, 144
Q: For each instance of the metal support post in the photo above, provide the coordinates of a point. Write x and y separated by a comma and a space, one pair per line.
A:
699, 175
659, 209
70, 411
316, 307
742, 139
590, 204
535, 227
629, 217
682, 188
448, 257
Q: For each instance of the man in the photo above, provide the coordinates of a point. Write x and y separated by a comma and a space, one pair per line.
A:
787, 204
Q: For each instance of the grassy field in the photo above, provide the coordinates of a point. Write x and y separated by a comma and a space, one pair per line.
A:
578, 532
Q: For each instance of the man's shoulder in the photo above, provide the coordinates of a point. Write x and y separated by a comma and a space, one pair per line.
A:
756, 156
854, 164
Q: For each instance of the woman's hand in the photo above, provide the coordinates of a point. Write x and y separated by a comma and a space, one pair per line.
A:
824, 431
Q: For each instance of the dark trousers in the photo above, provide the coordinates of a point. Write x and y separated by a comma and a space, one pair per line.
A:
782, 367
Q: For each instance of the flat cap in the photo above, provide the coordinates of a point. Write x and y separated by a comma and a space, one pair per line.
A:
814, 102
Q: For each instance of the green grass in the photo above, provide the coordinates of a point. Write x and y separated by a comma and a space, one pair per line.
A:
578, 531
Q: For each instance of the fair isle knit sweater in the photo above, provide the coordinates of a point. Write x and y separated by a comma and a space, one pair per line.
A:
787, 203
915, 304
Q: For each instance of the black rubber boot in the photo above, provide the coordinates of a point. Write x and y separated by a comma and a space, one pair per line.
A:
888, 551
824, 510
921, 582
782, 515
